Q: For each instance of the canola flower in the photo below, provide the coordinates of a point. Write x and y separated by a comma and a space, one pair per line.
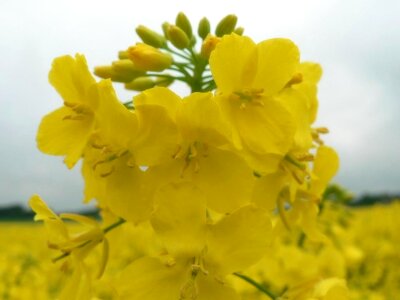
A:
208, 172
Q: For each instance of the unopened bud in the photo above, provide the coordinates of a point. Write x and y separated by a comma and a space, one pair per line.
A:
226, 25
178, 37
122, 54
148, 58
140, 84
165, 82
165, 26
209, 45
183, 23
150, 37
107, 72
204, 28
126, 67
239, 31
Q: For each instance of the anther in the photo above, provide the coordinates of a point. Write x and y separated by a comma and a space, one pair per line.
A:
296, 79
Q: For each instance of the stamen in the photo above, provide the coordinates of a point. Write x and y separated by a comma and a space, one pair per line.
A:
74, 117
108, 173
296, 79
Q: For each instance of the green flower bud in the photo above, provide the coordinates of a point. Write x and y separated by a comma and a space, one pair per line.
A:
239, 31
125, 67
150, 37
226, 25
178, 37
183, 23
204, 28
165, 26
140, 84
165, 82
122, 54
107, 72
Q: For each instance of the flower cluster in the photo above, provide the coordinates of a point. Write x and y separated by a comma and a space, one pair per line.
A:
208, 171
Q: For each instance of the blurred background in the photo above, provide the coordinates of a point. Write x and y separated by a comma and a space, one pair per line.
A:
356, 41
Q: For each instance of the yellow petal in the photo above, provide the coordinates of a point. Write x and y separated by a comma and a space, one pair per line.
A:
331, 289
148, 279
311, 74
42, 211
56, 230
326, 164
95, 184
233, 62
299, 106
225, 178
59, 135
179, 218
117, 125
72, 79
211, 289
161, 96
200, 119
157, 138
238, 240
278, 60
266, 129
125, 190
268, 188
79, 285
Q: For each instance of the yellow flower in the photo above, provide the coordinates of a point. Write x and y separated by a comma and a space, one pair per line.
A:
66, 131
197, 154
78, 246
248, 79
199, 255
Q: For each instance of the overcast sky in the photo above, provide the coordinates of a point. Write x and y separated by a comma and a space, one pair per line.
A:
356, 41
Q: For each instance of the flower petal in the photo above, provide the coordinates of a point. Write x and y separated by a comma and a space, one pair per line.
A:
326, 165
278, 60
211, 289
179, 218
238, 240
232, 63
72, 79
148, 279
226, 180
200, 119
125, 191
59, 135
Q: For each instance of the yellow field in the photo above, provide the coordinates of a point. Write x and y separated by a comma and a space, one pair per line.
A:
364, 250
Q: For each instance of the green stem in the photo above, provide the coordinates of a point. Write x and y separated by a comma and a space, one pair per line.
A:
260, 287
177, 53
113, 225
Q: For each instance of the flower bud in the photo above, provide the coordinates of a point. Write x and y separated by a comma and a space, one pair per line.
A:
150, 37
122, 54
165, 82
178, 37
239, 31
148, 58
165, 26
204, 28
183, 23
125, 67
209, 45
226, 25
140, 84
107, 72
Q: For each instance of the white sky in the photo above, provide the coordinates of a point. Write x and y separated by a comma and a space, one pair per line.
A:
356, 41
